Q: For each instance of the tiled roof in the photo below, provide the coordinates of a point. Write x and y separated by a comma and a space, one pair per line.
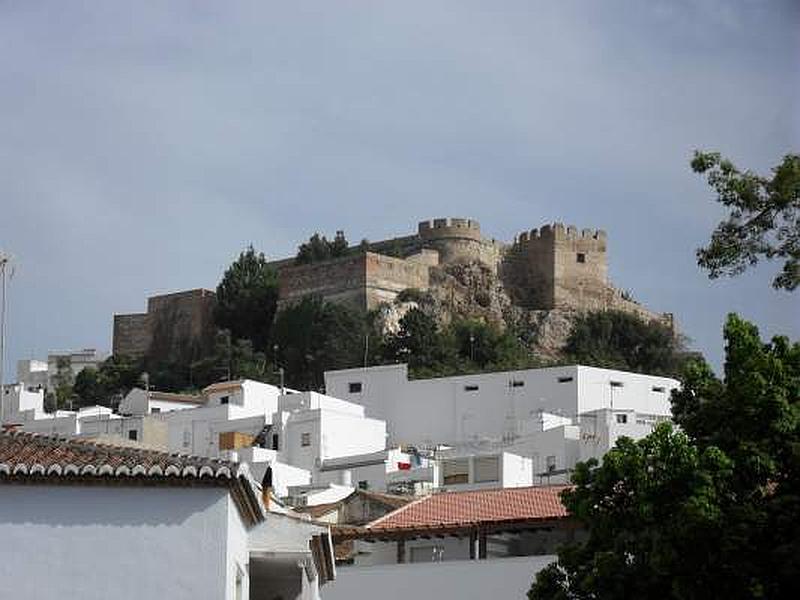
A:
390, 500
40, 458
172, 397
221, 386
475, 507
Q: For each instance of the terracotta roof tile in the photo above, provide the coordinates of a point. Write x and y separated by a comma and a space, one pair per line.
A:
454, 509
29, 454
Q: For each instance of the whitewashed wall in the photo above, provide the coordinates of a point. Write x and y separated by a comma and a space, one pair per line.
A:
452, 410
126, 543
506, 579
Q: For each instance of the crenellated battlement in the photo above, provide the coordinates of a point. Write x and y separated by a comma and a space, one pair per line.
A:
451, 227
559, 231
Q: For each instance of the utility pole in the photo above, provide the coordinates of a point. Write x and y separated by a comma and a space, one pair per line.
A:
5, 259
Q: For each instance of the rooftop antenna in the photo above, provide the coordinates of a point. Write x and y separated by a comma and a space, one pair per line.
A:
6, 272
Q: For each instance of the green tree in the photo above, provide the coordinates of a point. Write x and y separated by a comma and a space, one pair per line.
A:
485, 346
711, 512
230, 359
247, 298
313, 336
620, 340
764, 219
319, 248
88, 387
422, 344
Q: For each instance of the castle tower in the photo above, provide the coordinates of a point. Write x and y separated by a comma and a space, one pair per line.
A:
456, 240
559, 267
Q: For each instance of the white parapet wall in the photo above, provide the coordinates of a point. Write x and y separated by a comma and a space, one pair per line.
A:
456, 580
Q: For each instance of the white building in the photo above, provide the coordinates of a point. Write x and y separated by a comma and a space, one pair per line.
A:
474, 544
142, 402
131, 524
494, 406
35, 373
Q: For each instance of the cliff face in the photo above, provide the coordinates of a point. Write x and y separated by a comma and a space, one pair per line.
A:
471, 290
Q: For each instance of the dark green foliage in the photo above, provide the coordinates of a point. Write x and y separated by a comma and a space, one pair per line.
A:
107, 384
764, 221
710, 513
421, 343
413, 295
313, 336
620, 340
246, 299
465, 346
88, 388
231, 359
319, 248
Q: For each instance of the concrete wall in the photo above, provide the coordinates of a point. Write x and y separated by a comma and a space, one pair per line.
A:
119, 542
502, 578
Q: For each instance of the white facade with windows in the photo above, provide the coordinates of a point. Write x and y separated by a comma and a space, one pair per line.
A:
493, 406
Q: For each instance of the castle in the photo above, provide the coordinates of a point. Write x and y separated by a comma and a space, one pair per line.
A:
553, 267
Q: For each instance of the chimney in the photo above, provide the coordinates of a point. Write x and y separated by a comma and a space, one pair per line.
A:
266, 487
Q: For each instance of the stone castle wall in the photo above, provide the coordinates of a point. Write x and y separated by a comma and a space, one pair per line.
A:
173, 326
132, 335
362, 280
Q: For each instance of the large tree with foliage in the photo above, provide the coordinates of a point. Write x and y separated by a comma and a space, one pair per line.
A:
313, 336
711, 512
319, 248
764, 219
247, 297
621, 340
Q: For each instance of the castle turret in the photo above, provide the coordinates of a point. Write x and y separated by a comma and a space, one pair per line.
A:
456, 240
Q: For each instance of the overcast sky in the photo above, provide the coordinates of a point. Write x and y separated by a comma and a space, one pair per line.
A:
144, 144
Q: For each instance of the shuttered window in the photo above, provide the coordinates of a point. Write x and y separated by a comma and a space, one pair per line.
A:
487, 468
455, 471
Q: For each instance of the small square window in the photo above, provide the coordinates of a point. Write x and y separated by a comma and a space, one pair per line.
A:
305, 439
551, 464
224, 399
354, 387
622, 419
363, 484
581, 258
133, 435
155, 410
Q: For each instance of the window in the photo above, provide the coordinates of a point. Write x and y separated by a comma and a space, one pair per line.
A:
564, 379
616, 384
187, 438
363, 484
133, 435
455, 471
305, 439
224, 399
155, 410
354, 387
581, 257
551, 464
659, 389
517, 383
275, 440
622, 419
470, 388
487, 468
